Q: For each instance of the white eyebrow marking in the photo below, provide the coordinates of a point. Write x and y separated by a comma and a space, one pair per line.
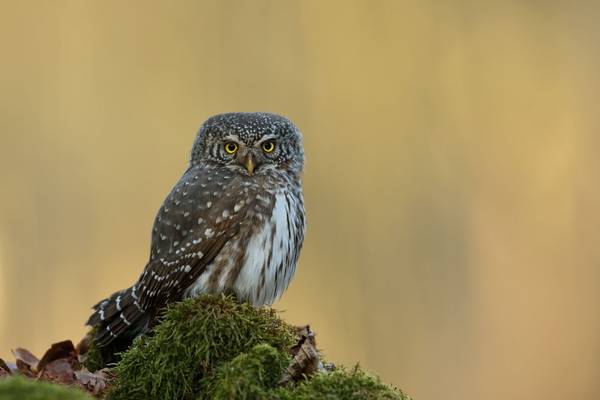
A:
264, 138
233, 138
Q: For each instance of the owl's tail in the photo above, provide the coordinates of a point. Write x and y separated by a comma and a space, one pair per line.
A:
118, 318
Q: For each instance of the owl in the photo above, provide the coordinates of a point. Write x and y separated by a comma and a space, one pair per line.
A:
234, 223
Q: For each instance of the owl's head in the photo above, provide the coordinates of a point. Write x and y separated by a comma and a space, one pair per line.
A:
249, 143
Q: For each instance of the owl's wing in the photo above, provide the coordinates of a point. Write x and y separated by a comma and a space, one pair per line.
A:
196, 220
200, 215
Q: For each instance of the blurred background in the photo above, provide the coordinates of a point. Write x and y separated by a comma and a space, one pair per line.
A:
452, 178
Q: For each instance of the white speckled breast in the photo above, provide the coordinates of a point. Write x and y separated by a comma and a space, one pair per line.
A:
269, 256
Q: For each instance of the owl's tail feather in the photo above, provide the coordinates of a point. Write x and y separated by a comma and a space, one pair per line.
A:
118, 317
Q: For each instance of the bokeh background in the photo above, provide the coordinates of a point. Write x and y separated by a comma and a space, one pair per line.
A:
452, 181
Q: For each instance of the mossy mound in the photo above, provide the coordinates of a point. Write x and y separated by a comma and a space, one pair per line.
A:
213, 347
20, 388
255, 376
340, 384
248, 376
194, 337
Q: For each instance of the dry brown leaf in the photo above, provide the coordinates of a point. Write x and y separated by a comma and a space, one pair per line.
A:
94, 382
60, 371
4, 369
60, 364
58, 351
306, 359
4, 366
26, 357
26, 361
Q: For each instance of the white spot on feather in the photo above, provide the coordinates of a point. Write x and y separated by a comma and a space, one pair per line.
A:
124, 319
239, 206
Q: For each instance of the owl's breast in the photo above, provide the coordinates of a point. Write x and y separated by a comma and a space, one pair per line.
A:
258, 264
272, 252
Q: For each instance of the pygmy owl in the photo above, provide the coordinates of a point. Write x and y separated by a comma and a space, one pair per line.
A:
234, 223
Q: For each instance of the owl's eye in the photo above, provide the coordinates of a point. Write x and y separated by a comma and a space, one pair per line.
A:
268, 146
230, 147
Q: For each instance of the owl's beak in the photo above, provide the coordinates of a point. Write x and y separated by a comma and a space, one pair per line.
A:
249, 163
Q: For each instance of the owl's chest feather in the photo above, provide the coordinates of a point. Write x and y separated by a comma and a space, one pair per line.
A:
271, 253
267, 256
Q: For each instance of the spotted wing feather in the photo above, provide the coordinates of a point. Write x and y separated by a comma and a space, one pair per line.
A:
189, 231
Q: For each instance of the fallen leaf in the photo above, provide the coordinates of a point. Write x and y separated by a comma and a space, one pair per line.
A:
57, 351
60, 371
60, 364
26, 362
306, 359
93, 382
4, 367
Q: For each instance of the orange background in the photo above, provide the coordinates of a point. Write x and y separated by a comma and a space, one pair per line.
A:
452, 178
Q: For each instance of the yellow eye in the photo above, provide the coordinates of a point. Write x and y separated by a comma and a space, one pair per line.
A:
231, 147
268, 147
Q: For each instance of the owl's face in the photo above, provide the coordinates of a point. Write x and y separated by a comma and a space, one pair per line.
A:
249, 144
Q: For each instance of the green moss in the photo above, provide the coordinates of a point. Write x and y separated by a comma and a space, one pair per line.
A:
248, 376
254, 375
340, 384
195, 336
212, 347
19, 388
94, 359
